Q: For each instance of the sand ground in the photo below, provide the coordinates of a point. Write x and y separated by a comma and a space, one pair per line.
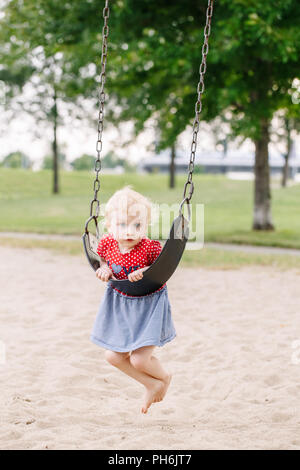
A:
236, 375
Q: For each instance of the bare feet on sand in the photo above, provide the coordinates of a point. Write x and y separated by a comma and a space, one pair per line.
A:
152, 394
166, 383
156, 393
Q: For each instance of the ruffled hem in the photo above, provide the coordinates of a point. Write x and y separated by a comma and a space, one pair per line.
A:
150, 342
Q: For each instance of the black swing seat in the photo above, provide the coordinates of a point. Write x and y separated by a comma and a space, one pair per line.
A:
159, 272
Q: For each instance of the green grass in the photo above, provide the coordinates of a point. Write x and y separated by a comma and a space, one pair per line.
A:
208, 258
27, 204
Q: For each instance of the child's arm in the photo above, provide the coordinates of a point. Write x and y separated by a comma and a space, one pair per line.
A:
104, 273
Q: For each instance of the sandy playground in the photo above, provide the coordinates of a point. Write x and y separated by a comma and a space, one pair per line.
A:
236, 382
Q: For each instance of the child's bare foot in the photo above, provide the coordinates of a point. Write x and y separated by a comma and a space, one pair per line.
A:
166, 383
152, 395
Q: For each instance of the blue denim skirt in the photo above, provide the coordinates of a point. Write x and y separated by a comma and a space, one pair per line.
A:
125, 323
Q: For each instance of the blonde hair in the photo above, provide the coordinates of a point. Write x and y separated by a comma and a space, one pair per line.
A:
128, 201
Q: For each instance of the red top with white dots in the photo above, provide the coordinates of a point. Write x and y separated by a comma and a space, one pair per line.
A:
141, 255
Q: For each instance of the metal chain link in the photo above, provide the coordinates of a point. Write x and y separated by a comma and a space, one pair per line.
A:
101, 97
198, 106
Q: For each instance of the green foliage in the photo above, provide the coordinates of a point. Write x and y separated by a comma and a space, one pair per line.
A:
198, 169
154, 56
153, 60
33, 54
16, 160
48, 161
111, 160
83, 163
155, 52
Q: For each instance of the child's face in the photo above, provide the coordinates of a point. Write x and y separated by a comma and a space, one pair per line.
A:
127, 229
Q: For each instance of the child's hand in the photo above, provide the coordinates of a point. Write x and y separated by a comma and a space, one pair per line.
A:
104, 273
136, 275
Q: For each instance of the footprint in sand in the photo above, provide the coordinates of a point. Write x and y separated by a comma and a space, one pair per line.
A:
281, 417
272, 380
169, 411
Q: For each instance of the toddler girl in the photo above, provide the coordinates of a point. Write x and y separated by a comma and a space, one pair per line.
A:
130, 327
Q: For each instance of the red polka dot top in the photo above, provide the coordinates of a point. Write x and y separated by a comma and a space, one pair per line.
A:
141, 255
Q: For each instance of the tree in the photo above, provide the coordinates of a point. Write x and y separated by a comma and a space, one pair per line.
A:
48, 161
290, 125
111, 160
253, 60
153, 68
285, 171
16, 160
220, 129
154, 55
34, 61
83, 163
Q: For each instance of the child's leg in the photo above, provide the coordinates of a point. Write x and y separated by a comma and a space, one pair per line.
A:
153, 386
143, 361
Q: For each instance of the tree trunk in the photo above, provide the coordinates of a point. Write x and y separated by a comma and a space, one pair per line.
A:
172, 167
54, 146
285, 170
262, 197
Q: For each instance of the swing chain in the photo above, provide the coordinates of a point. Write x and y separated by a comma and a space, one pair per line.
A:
198, 108
101, 97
